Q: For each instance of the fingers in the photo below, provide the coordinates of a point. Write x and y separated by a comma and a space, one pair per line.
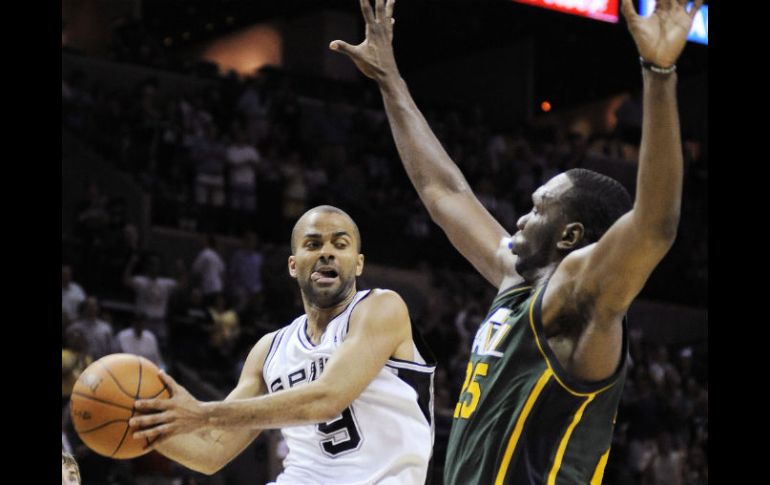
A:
366, 10
141, 422
342, 47
155, 432
629, 12
169, 382
379, 8
662, 5
695, 8
389, 10
153, 405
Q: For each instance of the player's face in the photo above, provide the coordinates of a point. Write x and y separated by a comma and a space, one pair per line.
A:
540, 229
326, 259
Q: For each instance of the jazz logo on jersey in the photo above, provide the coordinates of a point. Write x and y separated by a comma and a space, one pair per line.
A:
491, 334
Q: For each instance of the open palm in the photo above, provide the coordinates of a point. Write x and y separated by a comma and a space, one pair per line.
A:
373, 56
661, 37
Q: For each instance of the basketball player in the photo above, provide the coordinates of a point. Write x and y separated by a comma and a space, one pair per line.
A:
548, 364
345, 382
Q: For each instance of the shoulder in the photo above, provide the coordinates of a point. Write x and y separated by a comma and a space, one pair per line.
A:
258, 353
381, 299
381, 307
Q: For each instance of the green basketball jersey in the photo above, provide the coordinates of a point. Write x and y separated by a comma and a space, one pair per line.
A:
521, 419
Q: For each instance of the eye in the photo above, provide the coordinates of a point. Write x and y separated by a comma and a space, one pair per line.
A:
341, 245
311, 244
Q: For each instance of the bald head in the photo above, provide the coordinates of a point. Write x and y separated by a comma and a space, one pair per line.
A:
312, 214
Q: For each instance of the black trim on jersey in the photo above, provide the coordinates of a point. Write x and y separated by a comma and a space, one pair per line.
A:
419, 380
422, 383
302, 330
347, 324
273, 348
422, 347
575, 384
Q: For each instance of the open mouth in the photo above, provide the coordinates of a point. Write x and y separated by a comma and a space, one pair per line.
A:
324, 276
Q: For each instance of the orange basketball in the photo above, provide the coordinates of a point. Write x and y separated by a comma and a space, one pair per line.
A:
103, 401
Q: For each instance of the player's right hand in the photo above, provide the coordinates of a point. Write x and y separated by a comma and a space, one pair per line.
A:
373, 56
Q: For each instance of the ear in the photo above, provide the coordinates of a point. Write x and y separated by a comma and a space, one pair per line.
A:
572, 236
360, 265
292, 267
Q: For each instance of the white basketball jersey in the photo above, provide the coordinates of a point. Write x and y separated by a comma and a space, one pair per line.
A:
385, 436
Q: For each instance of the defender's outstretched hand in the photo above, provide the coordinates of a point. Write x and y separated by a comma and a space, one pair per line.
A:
373, 56
661, 37
179, 414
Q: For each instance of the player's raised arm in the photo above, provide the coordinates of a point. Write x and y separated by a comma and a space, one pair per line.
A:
613, 271
439, 182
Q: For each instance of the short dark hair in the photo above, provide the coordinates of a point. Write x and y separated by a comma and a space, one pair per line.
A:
325, 208
594, 200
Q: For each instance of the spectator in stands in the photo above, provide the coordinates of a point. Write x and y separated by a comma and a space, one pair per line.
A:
245, 271
75, 357
119, 250
226, 328
72, 294
152, 293
208, 156
138, 340
243, 161
668, 464
210, 269
97, 332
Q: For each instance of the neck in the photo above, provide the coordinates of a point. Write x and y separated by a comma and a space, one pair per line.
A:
539, 276
318, 318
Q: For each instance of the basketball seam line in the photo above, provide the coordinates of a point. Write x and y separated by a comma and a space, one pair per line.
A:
107, 369
86, 396
133, 410
96, 428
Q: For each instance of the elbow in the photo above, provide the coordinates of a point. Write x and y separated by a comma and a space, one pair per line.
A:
660, 230
208, 468
329, 410
667, 231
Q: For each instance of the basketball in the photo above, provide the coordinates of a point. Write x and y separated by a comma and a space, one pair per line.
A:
102, 402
